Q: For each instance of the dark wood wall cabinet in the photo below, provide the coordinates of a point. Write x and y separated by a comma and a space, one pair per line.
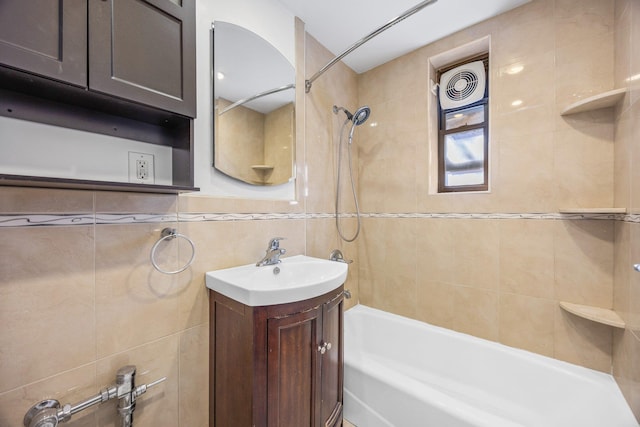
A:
277, 366
118, 67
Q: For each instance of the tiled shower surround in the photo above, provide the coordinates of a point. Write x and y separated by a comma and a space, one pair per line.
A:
79, 297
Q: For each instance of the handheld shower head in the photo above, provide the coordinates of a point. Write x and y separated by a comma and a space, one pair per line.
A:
360, 116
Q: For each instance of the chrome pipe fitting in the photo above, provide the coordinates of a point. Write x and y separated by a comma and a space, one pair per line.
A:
125, 385
42, 414
49, 413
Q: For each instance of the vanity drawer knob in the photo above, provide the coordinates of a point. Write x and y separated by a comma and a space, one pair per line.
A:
324, 347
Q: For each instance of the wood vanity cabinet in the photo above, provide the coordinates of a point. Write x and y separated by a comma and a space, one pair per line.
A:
277, 366
138, 50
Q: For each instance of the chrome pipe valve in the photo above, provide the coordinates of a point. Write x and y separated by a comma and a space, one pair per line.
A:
48, 413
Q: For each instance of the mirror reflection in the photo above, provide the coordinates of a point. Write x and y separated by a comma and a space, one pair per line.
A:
254, 127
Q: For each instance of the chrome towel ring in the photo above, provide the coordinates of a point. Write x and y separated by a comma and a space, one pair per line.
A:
169, 234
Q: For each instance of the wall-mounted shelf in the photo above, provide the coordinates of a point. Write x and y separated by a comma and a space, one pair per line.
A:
82, 184
595, 314
593, 210
602, 100
262, 167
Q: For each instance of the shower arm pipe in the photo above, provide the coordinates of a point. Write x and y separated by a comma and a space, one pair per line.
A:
259, 95
417, 8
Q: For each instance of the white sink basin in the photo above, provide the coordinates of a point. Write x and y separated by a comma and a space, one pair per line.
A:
300, 277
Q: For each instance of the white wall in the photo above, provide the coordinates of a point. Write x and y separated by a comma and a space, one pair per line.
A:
35, 149
271, 21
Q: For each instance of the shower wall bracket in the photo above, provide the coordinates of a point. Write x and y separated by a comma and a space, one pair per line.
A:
48, 413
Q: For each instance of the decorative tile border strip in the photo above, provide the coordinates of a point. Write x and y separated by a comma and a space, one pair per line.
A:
631, 218
539, 216
198, 217
23, 220
45, 220
134, 218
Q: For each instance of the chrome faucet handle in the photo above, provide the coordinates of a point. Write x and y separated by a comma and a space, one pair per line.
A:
274, 243
336, 255
273, 252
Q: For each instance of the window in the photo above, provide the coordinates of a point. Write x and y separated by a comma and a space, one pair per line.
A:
463, 135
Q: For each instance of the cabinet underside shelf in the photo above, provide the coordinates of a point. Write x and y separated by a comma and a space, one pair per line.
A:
595, 314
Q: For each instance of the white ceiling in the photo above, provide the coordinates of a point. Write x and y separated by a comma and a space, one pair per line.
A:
338, 24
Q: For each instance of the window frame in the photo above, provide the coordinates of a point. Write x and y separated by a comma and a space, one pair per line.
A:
443, 132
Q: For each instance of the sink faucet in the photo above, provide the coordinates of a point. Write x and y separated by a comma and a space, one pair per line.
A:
273, 253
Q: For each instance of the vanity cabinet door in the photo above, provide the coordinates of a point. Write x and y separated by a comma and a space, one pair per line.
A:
293, 367
331, 363
304, 381
48, 38
268, 367
144, 51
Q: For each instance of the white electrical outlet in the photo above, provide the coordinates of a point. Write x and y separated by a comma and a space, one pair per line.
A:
141, 168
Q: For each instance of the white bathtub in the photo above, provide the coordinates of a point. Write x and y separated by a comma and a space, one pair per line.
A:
404, 373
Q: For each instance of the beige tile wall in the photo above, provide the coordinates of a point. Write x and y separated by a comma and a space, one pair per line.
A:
279, 131
78, 302
496, 279
338, 87
499, 279
243, 132
626, 301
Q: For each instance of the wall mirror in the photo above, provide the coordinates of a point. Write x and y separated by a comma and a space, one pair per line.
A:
253, 95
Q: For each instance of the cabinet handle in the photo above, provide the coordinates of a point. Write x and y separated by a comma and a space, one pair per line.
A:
324, 347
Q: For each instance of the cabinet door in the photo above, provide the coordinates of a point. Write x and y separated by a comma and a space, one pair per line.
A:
331, 364
293, 369
144, 51
45, 37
